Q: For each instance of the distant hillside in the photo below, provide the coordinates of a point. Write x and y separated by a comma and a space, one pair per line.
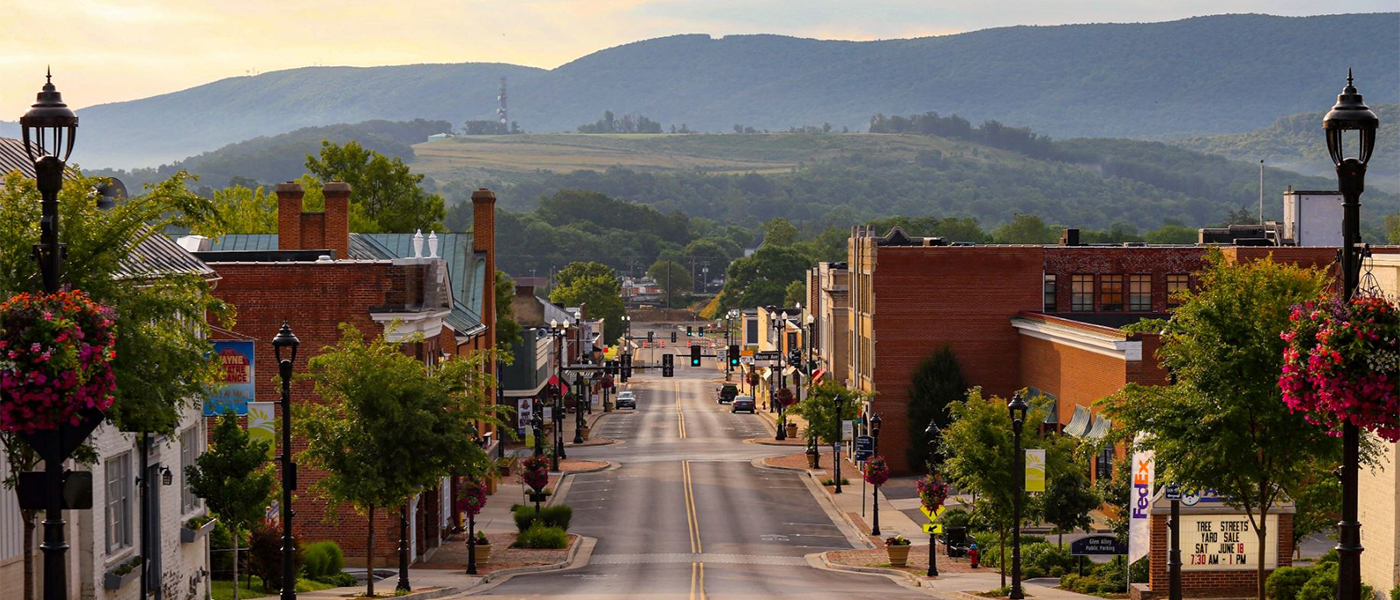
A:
273, 159
1199, 76
1295, 143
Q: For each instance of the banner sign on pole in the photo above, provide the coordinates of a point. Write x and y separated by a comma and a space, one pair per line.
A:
1035, 469
1139, 503
848, 430
236, 363
262, 425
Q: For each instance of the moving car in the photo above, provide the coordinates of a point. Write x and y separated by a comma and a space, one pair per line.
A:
726, 393
743, 404
626, 400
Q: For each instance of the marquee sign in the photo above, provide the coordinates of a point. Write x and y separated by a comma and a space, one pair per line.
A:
1225, 542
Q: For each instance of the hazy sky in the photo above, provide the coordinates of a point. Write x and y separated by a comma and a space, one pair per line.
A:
111, 50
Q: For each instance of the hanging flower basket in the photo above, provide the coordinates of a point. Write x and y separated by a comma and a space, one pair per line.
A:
785, 397
932, 492
876, 471
471, 498
1341, 364
56, 353
535, 472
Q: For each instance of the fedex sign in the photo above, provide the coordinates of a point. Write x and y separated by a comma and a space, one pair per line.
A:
1140, 499
1142, 486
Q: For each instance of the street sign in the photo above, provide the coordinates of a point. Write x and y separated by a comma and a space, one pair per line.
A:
933, 528
747, 352
1173, 492
1098, 545
865, 448
766, 355
935, 515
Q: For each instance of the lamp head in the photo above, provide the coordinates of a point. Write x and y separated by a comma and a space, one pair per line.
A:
875, 422
50, 126
932, 432
1350, 113
285, 339
1018, 407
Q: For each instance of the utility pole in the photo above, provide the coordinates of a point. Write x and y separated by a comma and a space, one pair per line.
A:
1261, 191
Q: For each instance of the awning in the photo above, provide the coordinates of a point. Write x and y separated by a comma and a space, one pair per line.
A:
1079, 423
817, 376
1100, 429
554, 380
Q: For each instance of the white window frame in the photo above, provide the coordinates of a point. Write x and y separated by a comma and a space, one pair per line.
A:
190, 446
120, 489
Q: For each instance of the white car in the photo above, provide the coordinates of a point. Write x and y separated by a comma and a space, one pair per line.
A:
626, 399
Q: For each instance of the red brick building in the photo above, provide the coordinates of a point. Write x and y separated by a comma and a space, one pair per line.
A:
315, 275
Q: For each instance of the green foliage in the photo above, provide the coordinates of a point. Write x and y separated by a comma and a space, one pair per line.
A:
674, 280
1285, 582
265, 556
795, 294
1395, 592
937, 381
779, 232
762, 279
324, 561
234, 477
558, 516
1069, 497
627, 124
384, 188
596, 288
242, 210
507, 328
956, 517
1026, 229
1042, 559
1392, 228
541, 536
819, 410
1212, 427
1315, 501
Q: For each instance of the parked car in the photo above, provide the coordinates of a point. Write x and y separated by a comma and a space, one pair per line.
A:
626, 400
743, 404
726, 393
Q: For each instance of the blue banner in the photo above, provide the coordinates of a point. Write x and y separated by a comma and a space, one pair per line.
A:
236, 362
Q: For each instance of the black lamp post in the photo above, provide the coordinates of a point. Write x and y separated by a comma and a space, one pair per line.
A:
404, 585
875, 494
537, 423
578, 408
286, 339
931, 435
836, 452
773, 399
1350, 114
1018, 409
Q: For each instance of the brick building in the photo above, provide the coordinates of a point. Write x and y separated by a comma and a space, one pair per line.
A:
315, 275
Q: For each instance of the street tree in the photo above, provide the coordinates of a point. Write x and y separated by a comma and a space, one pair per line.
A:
386, 428
241, 210
980, 450
795, 293
673, 278
1069, 495
579, 270
1217, 427
762, 279
819, 410
937, 381
235, 478
162, 363
507, 328
389, 194
1025, 229
599, 294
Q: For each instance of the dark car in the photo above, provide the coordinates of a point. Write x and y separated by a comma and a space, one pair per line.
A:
726, 393
626, 400
743, 404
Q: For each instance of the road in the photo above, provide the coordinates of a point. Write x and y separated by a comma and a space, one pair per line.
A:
686, 515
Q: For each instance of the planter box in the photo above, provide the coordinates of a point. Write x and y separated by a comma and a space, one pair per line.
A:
113, 581
483, 553
491, 484
585, 432
899, 555
792, 430
190, 536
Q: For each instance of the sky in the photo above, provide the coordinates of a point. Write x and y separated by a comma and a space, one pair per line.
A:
112, 50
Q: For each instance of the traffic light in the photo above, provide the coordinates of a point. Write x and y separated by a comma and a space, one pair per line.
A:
610, 367
651, 336
689, 331
668, 365
733, 355
626, 367
694, 356
673, 337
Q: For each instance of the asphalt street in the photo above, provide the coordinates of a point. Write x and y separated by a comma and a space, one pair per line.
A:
685, 513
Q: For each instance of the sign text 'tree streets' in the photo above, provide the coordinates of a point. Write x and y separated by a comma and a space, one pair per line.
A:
1225, 542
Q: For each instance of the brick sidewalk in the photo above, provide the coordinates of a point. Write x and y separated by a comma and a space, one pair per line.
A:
453, 555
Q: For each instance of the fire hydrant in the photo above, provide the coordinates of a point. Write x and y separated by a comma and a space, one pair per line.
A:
972, 554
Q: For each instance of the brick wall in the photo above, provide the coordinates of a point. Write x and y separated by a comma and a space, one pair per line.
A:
1207, 584
1076, 377
1156, 261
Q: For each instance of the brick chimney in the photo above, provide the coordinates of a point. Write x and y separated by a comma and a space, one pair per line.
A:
289, 215
484, 240
337, 220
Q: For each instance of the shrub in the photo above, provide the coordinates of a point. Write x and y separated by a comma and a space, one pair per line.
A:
1395, 592
265, 556
1285, 582
221, 552
1043, 559
1322, 585
524, 517
324, 560
955, 517
539, 536
1330, 557
552, 516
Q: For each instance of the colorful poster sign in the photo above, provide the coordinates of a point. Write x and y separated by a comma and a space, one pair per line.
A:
262, 425
1226, 543
1139, 503
1035, 469
236, 362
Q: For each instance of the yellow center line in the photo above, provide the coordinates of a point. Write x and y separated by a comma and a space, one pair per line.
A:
693, 516
694, 569
702, 581
680, 415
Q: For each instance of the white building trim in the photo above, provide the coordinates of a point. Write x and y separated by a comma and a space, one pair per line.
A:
1099, 343
399, 326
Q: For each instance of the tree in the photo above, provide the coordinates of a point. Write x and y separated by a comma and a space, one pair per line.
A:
507, 328
1315, 503
1025, 229
162, 363
980, 448
1392, 228
937, 381
779, 232
1069, 495
389, 193
674, 279
579, 270
235, 478
1218, 426
242, 210
762, 279
601, 296
386, 427
795, 293
819, 410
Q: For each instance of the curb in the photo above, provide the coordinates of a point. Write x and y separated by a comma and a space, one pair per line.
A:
771, 442
576, 559
913, 580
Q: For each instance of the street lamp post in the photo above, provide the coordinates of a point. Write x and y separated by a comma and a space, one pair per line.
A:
537, 423
404, 585
288, 340
836, 450
773, 398
1350, 113
578, 408
1018, 409
48, 129
875, 493
931, 435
